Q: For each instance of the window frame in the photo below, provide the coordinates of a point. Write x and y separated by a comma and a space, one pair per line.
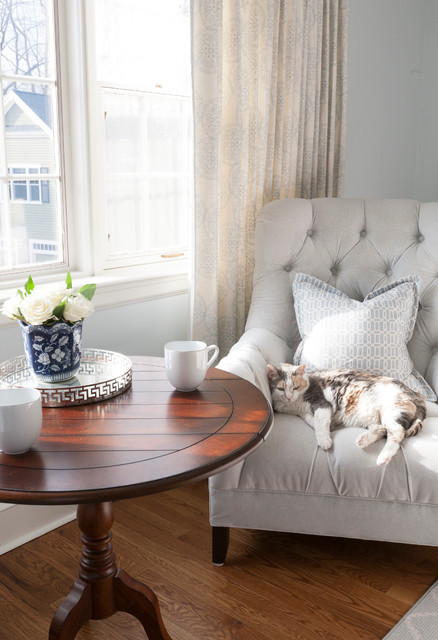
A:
81, 133
8, 277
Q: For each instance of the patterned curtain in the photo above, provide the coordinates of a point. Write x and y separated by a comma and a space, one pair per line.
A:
269, 87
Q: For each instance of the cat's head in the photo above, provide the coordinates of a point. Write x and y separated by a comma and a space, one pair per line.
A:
287, 382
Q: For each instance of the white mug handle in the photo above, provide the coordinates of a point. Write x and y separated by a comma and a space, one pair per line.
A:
214, 356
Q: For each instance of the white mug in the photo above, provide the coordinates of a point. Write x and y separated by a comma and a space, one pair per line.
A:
20, 419
186, 363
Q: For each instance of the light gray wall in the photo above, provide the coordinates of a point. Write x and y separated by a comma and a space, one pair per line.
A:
134, 329
426, 179
392, 128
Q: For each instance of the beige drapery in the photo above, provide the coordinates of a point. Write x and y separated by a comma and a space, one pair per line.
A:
269, 87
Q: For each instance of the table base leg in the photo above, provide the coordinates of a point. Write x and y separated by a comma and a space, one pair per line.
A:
102, 588
135, 598
73, 613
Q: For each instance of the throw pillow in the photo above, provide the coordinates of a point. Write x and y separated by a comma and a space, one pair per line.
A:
338, 332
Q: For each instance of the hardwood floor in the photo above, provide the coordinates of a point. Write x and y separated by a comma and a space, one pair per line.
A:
273, 587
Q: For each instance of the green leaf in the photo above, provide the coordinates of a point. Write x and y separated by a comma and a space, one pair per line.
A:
20, 293
58, 311
87, 290
29, 286
68, 281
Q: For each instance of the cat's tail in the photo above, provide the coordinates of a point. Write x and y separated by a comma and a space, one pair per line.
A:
415, 428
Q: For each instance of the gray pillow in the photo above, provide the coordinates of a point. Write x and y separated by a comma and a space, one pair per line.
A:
338, 332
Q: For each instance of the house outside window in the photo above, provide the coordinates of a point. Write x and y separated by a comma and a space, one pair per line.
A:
35, 191
95, 140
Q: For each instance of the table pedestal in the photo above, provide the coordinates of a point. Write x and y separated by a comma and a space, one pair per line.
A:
102, 588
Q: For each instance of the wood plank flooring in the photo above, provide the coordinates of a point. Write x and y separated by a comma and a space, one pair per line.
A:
274, 586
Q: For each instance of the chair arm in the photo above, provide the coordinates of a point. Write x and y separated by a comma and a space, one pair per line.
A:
248, 359
250, 356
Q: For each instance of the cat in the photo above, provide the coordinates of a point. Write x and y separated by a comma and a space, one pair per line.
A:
382, 405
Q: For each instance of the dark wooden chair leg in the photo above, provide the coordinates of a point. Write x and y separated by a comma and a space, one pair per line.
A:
220, 540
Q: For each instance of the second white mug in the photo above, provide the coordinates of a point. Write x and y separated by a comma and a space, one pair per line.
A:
20, 419
187, 361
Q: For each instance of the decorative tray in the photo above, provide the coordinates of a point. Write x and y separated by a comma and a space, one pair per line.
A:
102, 375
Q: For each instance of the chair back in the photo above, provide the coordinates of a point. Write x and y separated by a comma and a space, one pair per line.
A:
354, 245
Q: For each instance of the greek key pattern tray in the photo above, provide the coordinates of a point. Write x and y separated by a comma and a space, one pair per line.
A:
102, 375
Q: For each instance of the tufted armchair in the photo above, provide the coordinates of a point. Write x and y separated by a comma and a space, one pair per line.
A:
289, 484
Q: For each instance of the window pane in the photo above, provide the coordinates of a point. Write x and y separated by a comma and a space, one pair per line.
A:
147, 132
124, 133
29, 225
169, 127
147, 157
19, 190
145, 88
25, 37
146, 31
29, 125
34, 190
126, 216
169, 208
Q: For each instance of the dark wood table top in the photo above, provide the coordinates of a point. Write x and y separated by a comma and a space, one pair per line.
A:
150, 438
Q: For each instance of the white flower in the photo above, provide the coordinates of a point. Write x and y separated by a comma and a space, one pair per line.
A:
11, 307
36, 308
57, 293
36, 305
77, 308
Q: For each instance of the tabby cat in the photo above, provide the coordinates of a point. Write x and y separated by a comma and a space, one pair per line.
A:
383, 406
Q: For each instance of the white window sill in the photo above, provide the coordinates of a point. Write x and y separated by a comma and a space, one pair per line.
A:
115, 291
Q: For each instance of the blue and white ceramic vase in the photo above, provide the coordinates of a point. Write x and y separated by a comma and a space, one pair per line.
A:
53, 353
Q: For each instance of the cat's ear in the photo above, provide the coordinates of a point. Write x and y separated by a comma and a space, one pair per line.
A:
272, 371
299, 371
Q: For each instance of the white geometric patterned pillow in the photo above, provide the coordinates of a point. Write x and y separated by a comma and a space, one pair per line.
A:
338, 332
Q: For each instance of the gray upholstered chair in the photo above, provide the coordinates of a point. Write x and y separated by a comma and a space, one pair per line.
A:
289, 484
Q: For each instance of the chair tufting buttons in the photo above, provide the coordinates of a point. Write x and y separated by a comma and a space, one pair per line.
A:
389, 272
363, 234
310, 233
288, 267
420, 238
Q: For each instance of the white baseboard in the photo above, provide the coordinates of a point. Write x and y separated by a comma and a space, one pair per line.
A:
20, 523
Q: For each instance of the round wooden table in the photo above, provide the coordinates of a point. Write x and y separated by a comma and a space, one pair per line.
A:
149, 439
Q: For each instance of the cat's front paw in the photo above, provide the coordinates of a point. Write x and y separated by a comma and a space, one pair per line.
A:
325, 442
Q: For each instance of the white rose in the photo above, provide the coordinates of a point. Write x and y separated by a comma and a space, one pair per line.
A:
57, 293
77, 308
11, 307
36, 308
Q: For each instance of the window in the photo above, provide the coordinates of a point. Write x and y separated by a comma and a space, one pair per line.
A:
95, 137
36, 191
144, 98
30, 206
